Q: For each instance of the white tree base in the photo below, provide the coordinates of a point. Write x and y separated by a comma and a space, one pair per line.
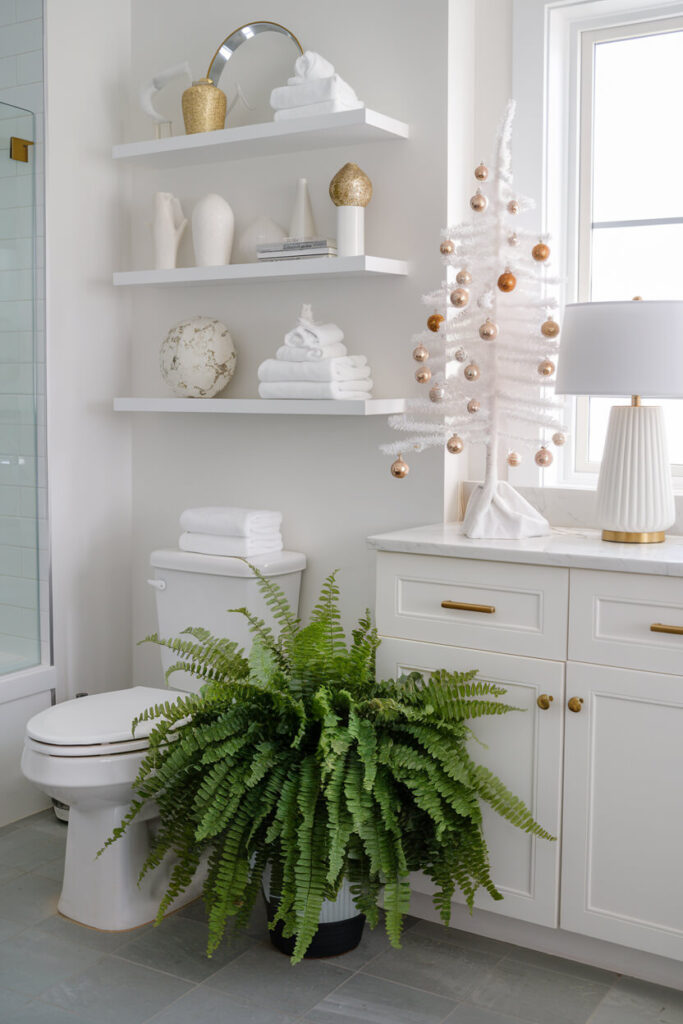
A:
502, 514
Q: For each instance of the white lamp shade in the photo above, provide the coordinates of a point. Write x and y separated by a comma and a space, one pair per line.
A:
622, 348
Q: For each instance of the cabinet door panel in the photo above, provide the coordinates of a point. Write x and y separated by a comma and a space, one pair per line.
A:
525, 750
623, 809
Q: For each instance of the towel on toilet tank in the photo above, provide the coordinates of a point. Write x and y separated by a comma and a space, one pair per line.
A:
240, 547
228, 521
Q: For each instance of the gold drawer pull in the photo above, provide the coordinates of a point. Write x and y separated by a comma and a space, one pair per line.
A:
659, 627
543, 700
574, 704
463, 606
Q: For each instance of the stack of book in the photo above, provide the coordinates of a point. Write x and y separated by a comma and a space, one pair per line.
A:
297, 249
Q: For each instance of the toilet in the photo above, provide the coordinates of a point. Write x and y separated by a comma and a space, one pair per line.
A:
83, 754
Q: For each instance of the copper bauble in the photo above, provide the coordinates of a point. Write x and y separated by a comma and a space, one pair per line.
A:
471, 372
507, 281
460, 297
550, 329
513, 239
420, 354
434, 321
540, 252
513, 206
488, 331
463, 277
400, 469
423, 375
481, 172
514, 459
546, 368
478, 202
437, 393
473, 405
447, 247
543, 457
455, 444
559, 439
461, 355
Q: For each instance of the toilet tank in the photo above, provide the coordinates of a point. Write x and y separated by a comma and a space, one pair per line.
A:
197, 590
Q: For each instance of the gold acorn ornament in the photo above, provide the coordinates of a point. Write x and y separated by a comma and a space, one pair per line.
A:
513, 207
488, 330
473, 405
471, 372
461, 355
447, 247
513, 459
550, 328
437, 393
399, 468
507, 281
543, 457
420, 354
455, 444
540, 252
350, 191
546, 368
559, 439
434, 322
479, 202
481, 172
463, 277
460, 297
423, 375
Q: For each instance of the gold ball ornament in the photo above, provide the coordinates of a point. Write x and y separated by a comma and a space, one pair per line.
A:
437, 393
471, 372
447, 247
460, 297
478, 202
488, 331
543, 457
550, 328
513, 239
540, 252
400, 469
463, 277
420, 354
513, 206
473, 405
546, 368
423, 375
559, 439
455, 444
434, 322
481, 172
461, 355
507, 281
350, 187
514, 459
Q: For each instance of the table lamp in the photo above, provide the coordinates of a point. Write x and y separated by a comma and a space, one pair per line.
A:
628, 348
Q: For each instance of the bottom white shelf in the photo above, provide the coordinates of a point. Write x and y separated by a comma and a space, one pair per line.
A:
264, 406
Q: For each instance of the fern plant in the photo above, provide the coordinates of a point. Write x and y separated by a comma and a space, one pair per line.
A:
298, 757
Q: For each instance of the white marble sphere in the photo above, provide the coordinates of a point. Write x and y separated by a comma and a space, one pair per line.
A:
197, 357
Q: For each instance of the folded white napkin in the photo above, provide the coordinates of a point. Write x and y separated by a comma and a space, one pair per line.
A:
307, 334
314, 90
311, 65
316, 109
226, 521
316, 389
240, 547
345, 368
290, 354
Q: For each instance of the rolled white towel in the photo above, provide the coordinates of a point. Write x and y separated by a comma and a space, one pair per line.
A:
316, 109
240, 547
292, 354
315, 90
311, 65
227, 521
345, 368
307, 334
346, 389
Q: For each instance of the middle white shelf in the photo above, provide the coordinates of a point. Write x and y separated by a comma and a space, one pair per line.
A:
264, 406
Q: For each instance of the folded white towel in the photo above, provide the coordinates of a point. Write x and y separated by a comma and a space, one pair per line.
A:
307, 334
316, 109
348, 389
226, 521
346, 368
314, 90
240, 547
290, 354
311, 65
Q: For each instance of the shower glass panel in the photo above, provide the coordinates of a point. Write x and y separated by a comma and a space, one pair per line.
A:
20, 645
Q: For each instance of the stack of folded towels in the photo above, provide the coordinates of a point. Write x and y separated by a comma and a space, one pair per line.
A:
313, 89
239, 532
314, 363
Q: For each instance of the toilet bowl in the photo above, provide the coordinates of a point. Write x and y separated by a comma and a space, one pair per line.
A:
83, 753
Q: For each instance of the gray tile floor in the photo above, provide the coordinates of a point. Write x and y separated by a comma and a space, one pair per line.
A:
53, 971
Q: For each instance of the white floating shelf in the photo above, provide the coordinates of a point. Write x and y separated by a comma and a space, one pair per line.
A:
304, 269
345, 128
264, 406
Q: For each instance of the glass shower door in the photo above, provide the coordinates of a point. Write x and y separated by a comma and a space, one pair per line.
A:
20, 639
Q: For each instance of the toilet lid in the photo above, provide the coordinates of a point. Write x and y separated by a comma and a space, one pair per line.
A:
102, 718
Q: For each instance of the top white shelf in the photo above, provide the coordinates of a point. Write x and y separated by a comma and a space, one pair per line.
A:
345, 128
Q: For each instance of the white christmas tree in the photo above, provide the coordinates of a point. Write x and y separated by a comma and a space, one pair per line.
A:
488, 354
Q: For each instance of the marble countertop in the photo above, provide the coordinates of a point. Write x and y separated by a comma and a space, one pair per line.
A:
570, 548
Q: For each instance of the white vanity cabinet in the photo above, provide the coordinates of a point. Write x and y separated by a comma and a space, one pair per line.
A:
566, 617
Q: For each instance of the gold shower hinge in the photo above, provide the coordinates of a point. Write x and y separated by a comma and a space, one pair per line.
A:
18, 149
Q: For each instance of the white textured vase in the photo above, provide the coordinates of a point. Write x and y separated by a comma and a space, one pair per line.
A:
341, 909
197, 357
168, 227
350, 230
302, 224
213, 231
635, 493
259, 232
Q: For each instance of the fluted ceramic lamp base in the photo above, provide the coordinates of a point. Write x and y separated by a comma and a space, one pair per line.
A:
635, 502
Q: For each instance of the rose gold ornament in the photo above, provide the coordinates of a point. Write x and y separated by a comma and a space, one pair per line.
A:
447, 247
437, 393
434, 322
400, 469
481, 172
559, 439
540, 252
488, 331
473, 405
423, 375
513, 206
507, 281
455, 444
471, 372
461, 355
420, 354
543, 457
463, 277
550, 328
513, 239
478, 202
546, 368
460, 297
513, 459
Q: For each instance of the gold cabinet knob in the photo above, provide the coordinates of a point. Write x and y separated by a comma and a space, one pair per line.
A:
543, 700
574, 703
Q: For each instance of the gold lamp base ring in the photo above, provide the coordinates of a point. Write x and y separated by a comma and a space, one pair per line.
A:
626, 537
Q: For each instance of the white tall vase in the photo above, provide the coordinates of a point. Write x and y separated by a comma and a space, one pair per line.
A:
350, 230
213, 231
168, 227
302, 224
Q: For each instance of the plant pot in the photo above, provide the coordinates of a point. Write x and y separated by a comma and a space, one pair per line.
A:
340, 929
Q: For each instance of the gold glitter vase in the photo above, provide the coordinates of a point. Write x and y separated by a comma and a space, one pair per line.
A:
204, 107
